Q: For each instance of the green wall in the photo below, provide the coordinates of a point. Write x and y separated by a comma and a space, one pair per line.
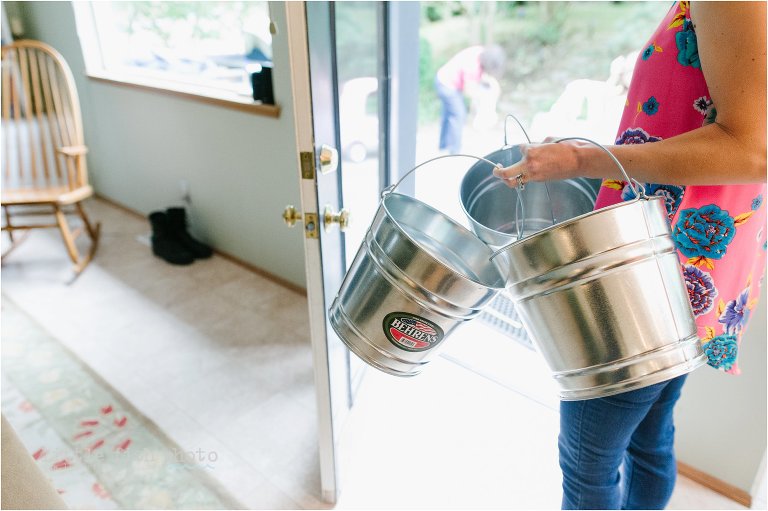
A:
241, 167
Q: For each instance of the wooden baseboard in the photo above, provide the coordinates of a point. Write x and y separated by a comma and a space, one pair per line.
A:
713, 483
264, 273
248, 266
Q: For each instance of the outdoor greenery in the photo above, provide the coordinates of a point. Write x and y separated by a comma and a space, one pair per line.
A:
203, 20
548, 44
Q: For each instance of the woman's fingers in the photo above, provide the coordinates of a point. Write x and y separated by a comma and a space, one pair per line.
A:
541, 162
514, 175
510, 172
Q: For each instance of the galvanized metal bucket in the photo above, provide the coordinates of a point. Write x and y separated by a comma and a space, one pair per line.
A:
492, 207
603, 298
416, 277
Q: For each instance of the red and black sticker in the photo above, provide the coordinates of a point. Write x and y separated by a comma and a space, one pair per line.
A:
411, 333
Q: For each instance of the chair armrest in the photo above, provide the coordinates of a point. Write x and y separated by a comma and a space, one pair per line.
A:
72, 150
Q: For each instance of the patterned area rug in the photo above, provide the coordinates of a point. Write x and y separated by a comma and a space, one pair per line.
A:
97, 450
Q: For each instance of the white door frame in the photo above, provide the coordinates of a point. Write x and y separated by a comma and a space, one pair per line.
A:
298, 53
400, 26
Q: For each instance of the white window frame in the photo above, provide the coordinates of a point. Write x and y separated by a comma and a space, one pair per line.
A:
96, 70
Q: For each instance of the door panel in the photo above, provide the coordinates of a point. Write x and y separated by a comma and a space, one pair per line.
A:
310, 92
342, 84
324, 86
358, 33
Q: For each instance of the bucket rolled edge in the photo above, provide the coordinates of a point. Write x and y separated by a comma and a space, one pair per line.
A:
647, 380
416, 291
471, 281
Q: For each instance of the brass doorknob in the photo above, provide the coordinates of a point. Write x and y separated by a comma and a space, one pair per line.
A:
291, 216
342, 218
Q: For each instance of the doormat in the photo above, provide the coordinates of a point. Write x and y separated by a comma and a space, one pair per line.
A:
98, 451
501, 316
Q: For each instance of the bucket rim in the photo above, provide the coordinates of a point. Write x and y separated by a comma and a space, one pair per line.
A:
479, 164
463, 185
472, 197
502, 278
573, 220
471, 200
492, 182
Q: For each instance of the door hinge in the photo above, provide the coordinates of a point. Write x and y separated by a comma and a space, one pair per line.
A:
307, 164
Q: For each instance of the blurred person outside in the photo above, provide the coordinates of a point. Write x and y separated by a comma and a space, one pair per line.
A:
472, 72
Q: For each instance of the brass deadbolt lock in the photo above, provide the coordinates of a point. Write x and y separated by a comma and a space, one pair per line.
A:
329, 159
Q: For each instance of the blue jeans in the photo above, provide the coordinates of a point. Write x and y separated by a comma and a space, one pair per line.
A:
617, 452
452, 121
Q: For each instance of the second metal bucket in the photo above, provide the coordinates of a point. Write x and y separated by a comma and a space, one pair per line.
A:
490, 204
604, 300
416, 277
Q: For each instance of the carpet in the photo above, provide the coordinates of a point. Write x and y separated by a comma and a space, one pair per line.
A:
97, 450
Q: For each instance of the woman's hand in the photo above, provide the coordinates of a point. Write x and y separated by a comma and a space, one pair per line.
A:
547, 161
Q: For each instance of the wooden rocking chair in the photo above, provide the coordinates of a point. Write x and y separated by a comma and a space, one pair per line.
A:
43, 162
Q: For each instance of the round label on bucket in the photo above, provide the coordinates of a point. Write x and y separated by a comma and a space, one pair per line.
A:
411, 333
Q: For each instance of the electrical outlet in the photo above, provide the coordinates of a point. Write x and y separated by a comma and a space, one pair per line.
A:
17, 26
186, 197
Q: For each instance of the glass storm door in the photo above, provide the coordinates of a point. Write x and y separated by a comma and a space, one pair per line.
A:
351, 145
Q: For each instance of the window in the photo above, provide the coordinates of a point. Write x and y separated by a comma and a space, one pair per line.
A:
208, 48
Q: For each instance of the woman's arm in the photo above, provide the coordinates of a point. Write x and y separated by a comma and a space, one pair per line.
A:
732, 49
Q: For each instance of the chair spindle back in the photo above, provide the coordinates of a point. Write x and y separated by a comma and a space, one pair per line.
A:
40, 117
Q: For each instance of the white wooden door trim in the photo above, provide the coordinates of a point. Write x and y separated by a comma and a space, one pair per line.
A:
296, 24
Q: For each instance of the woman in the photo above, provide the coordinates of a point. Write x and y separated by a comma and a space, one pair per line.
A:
694, 129
465, 73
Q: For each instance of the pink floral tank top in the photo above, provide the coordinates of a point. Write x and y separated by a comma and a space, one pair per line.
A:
719, 231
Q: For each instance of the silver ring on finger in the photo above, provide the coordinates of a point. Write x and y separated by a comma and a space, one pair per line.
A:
520, 182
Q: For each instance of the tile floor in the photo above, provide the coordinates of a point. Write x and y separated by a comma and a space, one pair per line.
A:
202, 352
194, 348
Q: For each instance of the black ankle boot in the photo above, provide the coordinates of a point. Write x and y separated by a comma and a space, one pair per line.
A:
165, 243
177, 221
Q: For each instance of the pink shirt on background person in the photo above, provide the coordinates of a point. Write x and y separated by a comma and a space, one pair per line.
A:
462, 68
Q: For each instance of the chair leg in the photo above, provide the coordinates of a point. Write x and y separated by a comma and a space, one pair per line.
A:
8, 222
66, 234
15, 239
93, 230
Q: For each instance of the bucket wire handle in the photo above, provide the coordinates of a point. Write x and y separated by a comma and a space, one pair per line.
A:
391, 188
636, 186
506, 123
519, 208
